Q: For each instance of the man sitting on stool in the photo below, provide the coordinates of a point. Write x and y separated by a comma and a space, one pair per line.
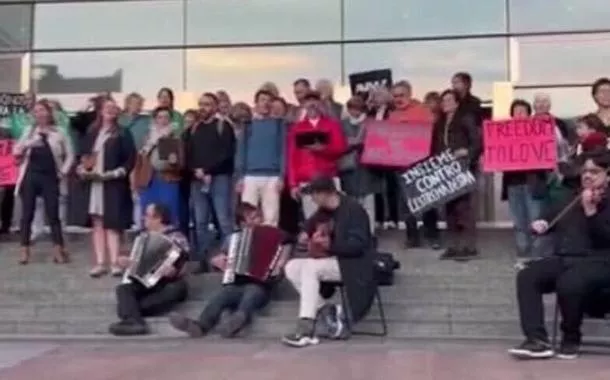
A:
135, 301
580, 265
348, 259
239, 300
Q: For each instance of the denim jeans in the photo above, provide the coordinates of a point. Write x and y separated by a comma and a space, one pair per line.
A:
246, 298
215, 201
524, 210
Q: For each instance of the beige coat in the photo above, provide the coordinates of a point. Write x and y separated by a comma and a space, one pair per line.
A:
60, 147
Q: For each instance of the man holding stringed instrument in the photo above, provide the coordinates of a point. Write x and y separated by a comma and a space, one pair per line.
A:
153, 282
579, 268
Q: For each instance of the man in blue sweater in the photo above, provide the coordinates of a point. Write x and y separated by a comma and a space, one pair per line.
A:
260, 165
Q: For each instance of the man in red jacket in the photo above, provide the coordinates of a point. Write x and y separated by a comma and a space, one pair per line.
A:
314, 146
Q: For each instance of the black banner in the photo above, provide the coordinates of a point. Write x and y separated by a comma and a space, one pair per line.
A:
362, 83
11, 103
435, 181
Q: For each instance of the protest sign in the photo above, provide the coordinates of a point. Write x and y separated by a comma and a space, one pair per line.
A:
8, 166
519, 144
11, 103
435, 181
397, 145
362, 83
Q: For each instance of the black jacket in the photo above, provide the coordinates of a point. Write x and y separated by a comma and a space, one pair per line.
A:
119, 152
576, 234
471, 105
461, 133
352, 244
210, 150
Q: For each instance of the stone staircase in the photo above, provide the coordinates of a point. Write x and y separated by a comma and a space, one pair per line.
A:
431, 299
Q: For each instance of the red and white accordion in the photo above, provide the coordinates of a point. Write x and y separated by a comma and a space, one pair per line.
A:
255, 253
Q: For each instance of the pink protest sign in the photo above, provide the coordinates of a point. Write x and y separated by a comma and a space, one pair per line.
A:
519, 144
8, 166
396, 145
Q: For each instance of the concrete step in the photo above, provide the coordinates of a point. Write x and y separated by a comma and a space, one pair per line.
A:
273, 328
397, 310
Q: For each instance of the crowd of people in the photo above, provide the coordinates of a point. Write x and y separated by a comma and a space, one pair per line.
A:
290, 165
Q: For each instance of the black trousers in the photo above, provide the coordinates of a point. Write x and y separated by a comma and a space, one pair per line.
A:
290, 213
6, 209
134, 301
46, 186
461, 223
246, 298
430, 220
573, 279
387, 205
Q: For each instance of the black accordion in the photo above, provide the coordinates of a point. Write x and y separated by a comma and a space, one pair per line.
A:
255, 253
150, 254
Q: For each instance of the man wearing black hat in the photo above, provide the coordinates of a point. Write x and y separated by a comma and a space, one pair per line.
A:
343, 255
579, 268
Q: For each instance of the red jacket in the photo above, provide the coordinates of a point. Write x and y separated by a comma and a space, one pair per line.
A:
305, 164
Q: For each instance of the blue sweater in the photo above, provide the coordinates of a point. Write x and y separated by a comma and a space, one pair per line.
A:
262, 148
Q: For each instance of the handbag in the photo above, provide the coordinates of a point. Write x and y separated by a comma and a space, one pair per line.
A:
142, 171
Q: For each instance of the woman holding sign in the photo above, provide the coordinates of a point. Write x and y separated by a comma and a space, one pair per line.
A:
459, 133
44, 153
526, 192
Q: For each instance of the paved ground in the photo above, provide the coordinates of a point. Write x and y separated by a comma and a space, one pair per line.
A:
185, 360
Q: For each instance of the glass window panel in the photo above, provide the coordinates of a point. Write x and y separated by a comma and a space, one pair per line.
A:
103, 24
15, 28
561, 59
11, 67
238, 21
567, 102
241, 71
558, 15
429, 65
411, 18
74, 76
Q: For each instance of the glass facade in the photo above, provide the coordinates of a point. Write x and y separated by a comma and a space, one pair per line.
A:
74, 48
69, 49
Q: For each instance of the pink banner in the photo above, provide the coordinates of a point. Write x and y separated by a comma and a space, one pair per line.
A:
519, 144
8, 166
396, 144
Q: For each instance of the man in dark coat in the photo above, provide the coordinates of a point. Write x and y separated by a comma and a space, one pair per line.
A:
343, 255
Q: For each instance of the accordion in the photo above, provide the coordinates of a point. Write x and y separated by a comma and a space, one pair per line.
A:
150, 254
255, 253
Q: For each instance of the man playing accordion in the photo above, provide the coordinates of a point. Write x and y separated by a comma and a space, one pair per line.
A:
239, 298
159, 289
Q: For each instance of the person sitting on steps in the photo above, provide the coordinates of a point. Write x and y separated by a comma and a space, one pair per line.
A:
134, 300
233, 305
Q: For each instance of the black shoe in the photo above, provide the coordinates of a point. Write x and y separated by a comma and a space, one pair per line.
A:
449, 254
532, 349
568, 351
184, 324
129, 328
466, 254
435, 244
233, 324
303, 335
